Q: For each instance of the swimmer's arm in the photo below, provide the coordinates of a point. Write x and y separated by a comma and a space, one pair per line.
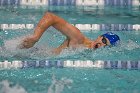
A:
50, 19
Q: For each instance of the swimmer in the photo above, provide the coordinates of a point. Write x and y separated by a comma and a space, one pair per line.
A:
74, 37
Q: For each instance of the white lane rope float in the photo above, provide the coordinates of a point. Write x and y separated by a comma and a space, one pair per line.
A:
99, 64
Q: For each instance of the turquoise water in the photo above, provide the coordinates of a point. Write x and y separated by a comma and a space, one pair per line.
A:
73, 14
77, 80
129, 49
69, 80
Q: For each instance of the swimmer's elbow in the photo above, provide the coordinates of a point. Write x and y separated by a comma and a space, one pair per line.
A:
49, 15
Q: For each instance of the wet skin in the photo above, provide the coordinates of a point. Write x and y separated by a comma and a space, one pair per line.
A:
74, 37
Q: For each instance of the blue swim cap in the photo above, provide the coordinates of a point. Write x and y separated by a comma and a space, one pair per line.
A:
113, 38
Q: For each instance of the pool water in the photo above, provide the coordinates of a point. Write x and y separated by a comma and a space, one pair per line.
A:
69, 80
77, 80
73, 14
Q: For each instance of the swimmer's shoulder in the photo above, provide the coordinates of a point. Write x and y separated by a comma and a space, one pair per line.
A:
87, 42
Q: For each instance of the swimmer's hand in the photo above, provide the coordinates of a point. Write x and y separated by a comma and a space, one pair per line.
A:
28, 42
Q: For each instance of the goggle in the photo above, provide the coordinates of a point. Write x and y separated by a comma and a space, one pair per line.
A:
104, 40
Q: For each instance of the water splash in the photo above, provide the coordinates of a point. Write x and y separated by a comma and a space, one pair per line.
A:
11, 45
130, 45
39, 51
5, 88
10, 49
121, 52
42, 51
58, 86
71, 51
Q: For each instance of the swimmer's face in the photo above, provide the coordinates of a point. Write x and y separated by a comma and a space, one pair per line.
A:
101, 41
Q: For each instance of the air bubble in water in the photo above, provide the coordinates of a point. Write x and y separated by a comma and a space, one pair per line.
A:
7, 89
58, 86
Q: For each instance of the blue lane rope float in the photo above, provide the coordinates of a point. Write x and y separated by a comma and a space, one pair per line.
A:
71, 64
